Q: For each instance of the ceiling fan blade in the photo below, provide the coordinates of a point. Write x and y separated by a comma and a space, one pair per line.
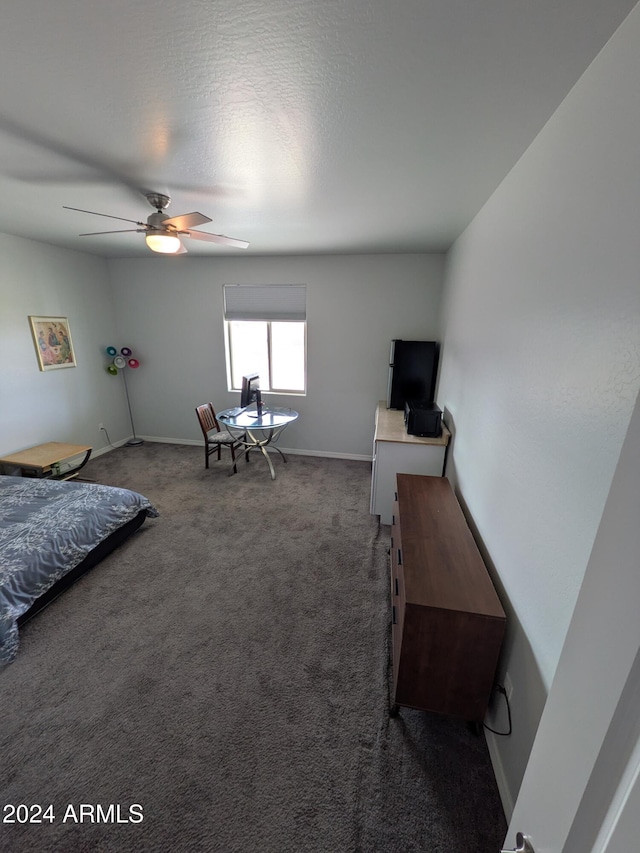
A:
61, 149
186, 221
124, 231
212, 191
218, 238
79, 210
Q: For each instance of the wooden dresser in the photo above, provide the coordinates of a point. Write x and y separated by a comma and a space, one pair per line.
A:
395, 450
447, 621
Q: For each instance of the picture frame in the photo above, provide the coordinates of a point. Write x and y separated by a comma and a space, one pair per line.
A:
52, 340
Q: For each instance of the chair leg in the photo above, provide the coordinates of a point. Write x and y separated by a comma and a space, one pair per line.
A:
206, 456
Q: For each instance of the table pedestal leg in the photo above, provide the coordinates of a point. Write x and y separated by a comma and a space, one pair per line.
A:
269, 462
261, 445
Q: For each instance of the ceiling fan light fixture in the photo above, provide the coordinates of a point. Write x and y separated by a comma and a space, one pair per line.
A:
166, 244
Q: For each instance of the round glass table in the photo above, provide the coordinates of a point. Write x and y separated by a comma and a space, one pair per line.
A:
257, 430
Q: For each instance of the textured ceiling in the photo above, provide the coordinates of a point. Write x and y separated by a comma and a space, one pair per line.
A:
302, 127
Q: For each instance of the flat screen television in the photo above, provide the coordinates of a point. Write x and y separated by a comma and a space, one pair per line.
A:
413, 368
251, 392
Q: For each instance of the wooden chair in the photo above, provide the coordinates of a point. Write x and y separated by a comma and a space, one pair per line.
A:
214, 437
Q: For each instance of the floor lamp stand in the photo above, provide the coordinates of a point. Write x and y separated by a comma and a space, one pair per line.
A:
135, 441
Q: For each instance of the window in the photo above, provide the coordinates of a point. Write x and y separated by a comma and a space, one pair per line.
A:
266, 334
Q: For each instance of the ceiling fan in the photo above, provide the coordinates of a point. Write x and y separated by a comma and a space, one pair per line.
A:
163, 232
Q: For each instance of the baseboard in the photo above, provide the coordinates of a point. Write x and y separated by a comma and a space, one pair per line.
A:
328, 454
293, 451
100, 451
498, 772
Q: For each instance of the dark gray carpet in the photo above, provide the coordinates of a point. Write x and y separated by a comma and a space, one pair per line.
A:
227, 669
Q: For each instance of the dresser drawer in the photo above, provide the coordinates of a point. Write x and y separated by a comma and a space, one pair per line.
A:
398, 595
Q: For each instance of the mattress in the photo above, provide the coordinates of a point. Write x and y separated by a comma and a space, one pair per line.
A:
47, 529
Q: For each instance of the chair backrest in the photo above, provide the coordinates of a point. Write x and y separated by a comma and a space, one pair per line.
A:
207, 418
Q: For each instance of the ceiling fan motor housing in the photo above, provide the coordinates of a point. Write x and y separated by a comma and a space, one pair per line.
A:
156, 222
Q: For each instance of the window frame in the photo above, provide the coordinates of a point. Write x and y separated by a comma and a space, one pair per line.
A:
271, 389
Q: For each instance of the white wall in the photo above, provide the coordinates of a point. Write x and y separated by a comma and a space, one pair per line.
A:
169, 310
585, 761
57, 405
541, 366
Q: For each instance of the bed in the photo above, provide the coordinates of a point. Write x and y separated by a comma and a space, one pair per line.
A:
51, 532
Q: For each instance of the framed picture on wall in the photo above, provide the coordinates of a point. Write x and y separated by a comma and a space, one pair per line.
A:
52, 339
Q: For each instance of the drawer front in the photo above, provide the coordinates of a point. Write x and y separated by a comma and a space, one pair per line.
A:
398, 596
396, 647
397, 591
395, 549
395, 514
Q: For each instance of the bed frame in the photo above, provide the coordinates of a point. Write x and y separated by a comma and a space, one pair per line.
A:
92, 559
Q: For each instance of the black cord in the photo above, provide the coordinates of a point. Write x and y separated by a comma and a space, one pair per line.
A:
501, 689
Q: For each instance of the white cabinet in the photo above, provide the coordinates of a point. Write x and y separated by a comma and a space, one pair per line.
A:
397, 452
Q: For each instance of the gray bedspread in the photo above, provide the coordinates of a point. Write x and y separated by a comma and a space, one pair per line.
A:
47, 527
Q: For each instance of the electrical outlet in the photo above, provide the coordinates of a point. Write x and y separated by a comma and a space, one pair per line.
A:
100, 426
508, 686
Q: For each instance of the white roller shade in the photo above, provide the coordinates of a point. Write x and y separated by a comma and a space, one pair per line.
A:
265, 302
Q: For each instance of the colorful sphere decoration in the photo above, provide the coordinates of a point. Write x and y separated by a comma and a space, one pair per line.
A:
121, 359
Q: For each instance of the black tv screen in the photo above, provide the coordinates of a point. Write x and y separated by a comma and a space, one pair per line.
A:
413, 368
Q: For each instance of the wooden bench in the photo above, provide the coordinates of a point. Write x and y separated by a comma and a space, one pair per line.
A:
45, 460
